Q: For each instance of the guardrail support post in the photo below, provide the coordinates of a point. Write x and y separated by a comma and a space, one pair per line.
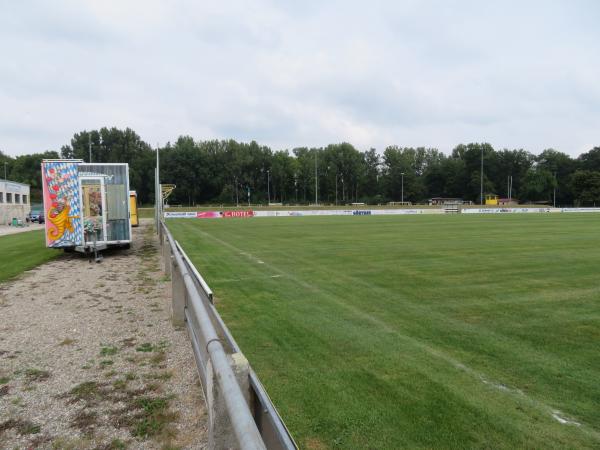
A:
178, 291
220, 432
167, 257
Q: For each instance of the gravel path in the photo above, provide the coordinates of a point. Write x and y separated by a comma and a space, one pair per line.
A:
90, 360
5, 229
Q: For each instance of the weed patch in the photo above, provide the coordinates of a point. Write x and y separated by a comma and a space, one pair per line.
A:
120, 385
85, 421
162, 376
88, 391
108, 350
115, 444
145, 347
22, 427
36, 375
128, 342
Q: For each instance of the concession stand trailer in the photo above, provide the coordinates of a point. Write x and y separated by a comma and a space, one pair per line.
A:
86, 205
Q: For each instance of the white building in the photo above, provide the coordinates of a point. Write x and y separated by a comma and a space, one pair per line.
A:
14, 201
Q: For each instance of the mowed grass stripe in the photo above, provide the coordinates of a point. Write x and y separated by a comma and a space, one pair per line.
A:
427, 331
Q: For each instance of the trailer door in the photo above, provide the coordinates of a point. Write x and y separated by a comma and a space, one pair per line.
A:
93, 202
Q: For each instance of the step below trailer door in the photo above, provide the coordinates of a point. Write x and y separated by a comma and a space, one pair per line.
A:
93, 203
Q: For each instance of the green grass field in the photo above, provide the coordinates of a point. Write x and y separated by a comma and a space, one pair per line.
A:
388, 332
23, 251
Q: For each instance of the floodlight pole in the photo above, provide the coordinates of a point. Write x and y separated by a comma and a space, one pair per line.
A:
554, 195
269, 186
5, 169
481, 193
316, 181
237, 201
296, 185
90, 145
402, 198
336, 178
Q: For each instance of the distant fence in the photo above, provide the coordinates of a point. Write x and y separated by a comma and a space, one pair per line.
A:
368, 212
241, 415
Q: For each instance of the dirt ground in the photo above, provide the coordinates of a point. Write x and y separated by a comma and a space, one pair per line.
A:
89, 358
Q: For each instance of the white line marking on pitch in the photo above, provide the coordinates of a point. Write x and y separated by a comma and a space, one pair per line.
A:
240, 279
248, 255
561, 419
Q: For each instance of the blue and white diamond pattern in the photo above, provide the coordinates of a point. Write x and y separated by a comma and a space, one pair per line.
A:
65, 176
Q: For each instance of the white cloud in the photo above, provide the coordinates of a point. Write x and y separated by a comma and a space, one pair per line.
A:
303, 73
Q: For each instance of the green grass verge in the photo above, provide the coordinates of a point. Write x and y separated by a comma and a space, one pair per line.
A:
23, 251
146, 213
415, 332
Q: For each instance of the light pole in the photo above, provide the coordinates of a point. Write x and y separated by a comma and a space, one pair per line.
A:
269, 186
296, 185
237, 200
316, 181
336, 178
481, 189
402, 198
5, 169
554, 195
90, 145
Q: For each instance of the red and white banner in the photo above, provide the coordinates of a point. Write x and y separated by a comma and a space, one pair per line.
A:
207, 214
238, 213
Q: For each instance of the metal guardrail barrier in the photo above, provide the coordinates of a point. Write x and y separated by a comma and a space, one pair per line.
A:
241, 414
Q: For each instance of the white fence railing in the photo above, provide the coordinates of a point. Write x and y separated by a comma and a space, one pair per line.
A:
241, 415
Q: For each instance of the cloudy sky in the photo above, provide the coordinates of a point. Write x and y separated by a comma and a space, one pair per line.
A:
523, 74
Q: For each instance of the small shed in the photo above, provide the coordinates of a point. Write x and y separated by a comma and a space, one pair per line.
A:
508, 202
491, 200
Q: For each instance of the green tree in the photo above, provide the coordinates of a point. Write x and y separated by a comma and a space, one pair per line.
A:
586, 187
562, 166
590, 160
537, 186
402, 172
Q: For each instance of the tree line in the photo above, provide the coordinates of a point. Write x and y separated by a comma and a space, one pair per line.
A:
230, 172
